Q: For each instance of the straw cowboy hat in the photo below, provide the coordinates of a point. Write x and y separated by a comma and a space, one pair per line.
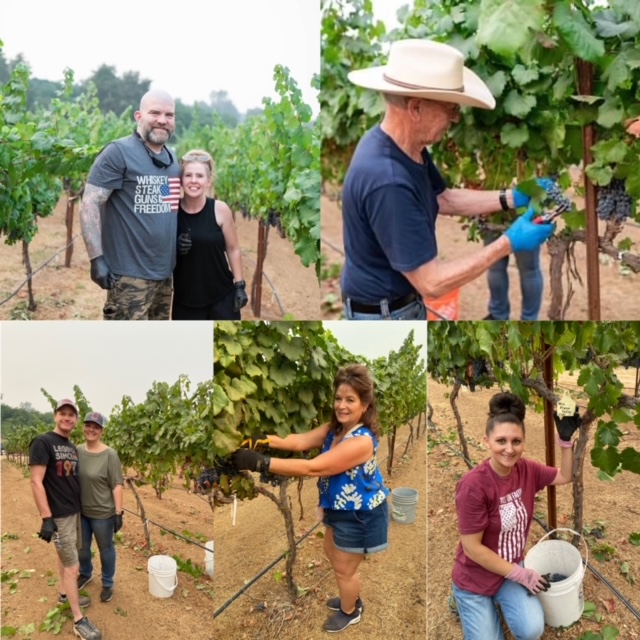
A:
426, 69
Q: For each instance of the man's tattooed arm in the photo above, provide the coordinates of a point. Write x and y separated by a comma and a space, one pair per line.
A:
92, 200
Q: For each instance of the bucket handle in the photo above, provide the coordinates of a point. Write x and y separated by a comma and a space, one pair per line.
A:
586, 546
172, 589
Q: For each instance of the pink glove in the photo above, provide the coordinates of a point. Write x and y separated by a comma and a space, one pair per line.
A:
528, 578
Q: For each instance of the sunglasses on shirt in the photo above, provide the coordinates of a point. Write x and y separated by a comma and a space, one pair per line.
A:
156, 161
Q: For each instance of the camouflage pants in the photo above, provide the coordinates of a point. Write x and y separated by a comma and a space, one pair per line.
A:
138, 299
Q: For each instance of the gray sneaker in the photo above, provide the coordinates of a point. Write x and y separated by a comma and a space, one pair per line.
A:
106, 594
339, 621
83, 581
83, 601
84, 628
334, 604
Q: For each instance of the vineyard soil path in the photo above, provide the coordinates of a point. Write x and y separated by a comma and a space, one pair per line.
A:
133, 612
393, 582
612, 505
69, 294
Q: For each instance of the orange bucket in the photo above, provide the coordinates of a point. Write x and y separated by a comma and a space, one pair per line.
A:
447, 306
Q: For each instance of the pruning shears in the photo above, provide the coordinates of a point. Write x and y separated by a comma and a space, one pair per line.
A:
550, 216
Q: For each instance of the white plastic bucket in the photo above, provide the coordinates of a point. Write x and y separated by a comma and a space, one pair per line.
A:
563, 602
404, 505
208, 558
163, 576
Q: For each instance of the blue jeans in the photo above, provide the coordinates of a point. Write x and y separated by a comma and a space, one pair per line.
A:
102, 530
480, 619
531, 284
413, 311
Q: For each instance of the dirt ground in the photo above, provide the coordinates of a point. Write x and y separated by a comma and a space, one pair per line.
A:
69, 294
612, 507
393, 582
615, 287
133, 613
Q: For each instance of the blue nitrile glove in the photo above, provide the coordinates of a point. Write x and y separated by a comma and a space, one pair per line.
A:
522, 199
526, 235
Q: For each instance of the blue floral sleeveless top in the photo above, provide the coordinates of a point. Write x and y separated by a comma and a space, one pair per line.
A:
357, 489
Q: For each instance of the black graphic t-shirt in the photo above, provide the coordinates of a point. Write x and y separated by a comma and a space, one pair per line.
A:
61, 483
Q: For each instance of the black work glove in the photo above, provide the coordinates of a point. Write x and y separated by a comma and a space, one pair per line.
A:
184, 243
49, 527
567, 426
118, 523
251, 460
240, 297
256, 441
101, 274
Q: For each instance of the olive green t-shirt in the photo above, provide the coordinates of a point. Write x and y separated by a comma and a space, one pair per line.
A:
99, 473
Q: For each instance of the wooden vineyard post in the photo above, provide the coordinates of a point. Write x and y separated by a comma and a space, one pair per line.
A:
71, 203
549, 433
256, 283
585, 86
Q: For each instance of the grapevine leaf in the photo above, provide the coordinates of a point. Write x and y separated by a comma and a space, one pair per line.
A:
610, 113
608, 433
609, 632
518, 104
577, 33
220, 400
634, 539
606, 459
630, 459
607, 26
514, 136
523, 75
496, 83
505, 27
610, 151
283, 375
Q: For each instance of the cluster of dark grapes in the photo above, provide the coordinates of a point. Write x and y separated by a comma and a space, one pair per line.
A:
475, 371
633, 360
270, 478
210, 476
614, 203
588, 357
245, 214
275, 220
555, 198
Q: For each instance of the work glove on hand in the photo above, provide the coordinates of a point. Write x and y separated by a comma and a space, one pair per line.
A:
101, 274
118, 523
184, 243
240, 296
251, 460
49, 527
522, 199
528, 578
255, 441
526, 235
567, 425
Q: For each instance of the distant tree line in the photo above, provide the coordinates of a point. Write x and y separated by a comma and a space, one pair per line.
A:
119, 93
23, 416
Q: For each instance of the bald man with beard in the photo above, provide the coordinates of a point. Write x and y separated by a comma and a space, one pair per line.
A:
128, 215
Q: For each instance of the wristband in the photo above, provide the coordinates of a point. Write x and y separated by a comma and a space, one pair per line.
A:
503, 200
565, 444
239, 284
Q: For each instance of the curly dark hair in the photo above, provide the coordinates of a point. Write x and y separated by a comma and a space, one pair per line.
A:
357, 376
505, 407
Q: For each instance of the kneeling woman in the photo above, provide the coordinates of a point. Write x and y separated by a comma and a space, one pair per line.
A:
353, 497
495, 505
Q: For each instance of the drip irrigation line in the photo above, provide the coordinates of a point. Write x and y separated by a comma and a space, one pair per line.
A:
591, 568
259, 575
33, 273
333, 246
173, 533
268, 279
597, 574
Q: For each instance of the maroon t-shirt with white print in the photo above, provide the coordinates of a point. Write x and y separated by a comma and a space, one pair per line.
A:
503, 509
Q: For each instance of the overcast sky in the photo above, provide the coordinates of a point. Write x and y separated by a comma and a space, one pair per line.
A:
189, 50
107, 360
377, 338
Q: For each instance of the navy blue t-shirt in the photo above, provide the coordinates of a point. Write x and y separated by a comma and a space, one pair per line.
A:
389, 209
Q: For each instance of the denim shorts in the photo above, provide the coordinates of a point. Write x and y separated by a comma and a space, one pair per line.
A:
359, 531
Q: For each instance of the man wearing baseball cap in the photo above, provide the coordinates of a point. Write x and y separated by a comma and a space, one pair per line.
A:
393, 192
101, 484
53, 460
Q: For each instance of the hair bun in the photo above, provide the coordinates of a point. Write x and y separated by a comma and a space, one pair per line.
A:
506, 403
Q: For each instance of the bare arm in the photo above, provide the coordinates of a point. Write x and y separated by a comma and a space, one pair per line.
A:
37, 488
565, 472
346, 455
468, 202
224, 218
435, 278
92, 200
485, 557
300, 441
117, 497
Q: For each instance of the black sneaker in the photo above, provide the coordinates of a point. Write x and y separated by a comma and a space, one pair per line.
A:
334, 604
83, 601
339, 621
83, 581
106, 594
84, 628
